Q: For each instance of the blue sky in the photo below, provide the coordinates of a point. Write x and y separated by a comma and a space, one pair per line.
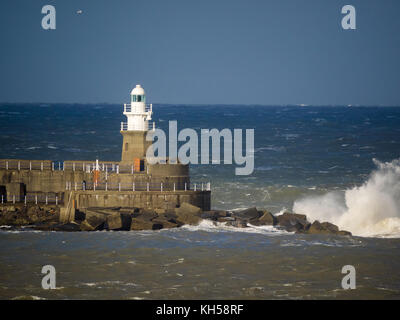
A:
201, 52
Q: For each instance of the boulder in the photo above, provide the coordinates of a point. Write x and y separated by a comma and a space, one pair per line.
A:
344, 233
79, 215
166, 224
293, 222
168, 220
214, 214
266, 219
21, 221
157, 226
226, 219
129, 210
209, 215
159, 211
188, 208
85, 226
248, 214
41, 215
67, 227
119, 221
188, 214
325, 228
187, 218
94, 220
140, 224
145, 214
237, 223
169, 215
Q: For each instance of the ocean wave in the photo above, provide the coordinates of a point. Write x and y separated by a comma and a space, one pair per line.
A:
210, 226
370, 210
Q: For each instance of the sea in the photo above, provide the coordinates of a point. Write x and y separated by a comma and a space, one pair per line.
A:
333, 163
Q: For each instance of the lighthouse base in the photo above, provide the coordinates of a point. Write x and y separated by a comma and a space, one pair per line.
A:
134, 146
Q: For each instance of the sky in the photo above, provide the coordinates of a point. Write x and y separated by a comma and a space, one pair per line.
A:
274, 52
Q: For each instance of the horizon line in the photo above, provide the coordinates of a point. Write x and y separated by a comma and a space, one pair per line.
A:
207, 104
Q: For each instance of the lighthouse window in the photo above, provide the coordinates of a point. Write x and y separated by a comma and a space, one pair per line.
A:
138, 98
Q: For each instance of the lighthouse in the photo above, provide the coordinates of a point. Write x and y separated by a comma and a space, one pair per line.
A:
137, 126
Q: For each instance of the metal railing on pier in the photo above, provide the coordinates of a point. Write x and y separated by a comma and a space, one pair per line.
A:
40, 198
138, 186
85, 166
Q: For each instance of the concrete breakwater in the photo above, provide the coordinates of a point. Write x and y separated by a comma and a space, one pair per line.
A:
74, 184
49, 218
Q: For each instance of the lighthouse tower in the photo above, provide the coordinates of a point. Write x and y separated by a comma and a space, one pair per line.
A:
136, 128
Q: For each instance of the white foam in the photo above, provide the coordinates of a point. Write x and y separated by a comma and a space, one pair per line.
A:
212, 226
371, 210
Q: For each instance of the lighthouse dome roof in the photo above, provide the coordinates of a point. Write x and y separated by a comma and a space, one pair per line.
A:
138, 90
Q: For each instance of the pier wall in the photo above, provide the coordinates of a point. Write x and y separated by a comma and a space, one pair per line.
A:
58, 180
77, 185
141, 199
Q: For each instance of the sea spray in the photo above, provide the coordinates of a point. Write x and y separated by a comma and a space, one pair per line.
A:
372, 209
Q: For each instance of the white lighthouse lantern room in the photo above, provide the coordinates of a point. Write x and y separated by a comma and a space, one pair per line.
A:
138, 113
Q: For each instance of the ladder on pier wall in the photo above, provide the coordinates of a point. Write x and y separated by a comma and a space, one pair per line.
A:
67, 214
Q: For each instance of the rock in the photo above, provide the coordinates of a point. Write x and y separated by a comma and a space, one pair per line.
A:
266, 219
237, 223
168, 220
145, 215
165, 224
325, 228
139, 224
41, 215
169, 215
209, 215
159, 211
214, 214
293, 222
67, 227
85, 226
20, 221
94, 220
79, 215
119, 221
226, 219
188, 214
187, 218
223, 213
319, 228
188, 208
248, 214
129, 210
157, 226
344, 233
